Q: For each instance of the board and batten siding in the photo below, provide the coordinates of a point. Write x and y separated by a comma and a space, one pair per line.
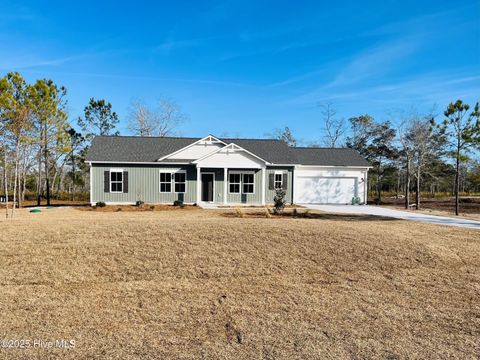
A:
255, 198
143, 184
269, 193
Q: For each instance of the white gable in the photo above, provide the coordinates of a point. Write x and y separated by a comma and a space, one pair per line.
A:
196, 151
233, 157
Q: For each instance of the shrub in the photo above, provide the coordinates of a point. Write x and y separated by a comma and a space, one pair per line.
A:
267, 213
356, 201
139, 203
178, 203
240, 212
100, 204
279, 200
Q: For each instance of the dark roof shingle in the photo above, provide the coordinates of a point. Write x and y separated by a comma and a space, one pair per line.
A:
150, 149
329, 157
134, 148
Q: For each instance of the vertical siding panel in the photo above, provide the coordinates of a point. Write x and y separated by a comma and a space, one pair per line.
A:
144, 184
269, 194
255, 198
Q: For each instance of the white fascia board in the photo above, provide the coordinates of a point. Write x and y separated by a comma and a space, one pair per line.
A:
217, 140
231, 146
138, 162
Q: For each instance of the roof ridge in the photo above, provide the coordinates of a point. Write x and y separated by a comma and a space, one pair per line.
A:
146, 137
182, 137
255, 139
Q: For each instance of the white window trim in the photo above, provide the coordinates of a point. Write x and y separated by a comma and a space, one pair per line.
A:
252, 183
274, 181
165, 182
241, 181
172, 181
110, 180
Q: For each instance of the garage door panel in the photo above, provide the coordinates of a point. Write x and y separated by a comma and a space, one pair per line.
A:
325, 190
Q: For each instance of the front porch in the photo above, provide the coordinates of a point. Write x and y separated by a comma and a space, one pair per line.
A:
231, 186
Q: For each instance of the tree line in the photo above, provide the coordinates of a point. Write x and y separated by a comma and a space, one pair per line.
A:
43, 151
421, 153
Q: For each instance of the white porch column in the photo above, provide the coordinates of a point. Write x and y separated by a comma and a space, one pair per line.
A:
225, 184
264, 185
199, 180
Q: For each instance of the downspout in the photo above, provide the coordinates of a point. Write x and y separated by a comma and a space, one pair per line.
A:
91, 184
365, 188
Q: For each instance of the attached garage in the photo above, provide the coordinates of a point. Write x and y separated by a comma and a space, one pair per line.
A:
326, 190
329, 185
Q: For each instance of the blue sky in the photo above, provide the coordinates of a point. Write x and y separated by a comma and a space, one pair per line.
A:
244, 68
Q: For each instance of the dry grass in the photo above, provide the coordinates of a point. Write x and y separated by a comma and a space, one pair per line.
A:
196, 284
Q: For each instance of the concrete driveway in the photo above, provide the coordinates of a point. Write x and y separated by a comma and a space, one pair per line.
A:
397, 214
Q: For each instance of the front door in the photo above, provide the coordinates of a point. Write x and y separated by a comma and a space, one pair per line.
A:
207, 187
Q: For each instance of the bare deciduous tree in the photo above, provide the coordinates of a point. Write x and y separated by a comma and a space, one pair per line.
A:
406, 152
333, 127
169, 117
161, 122
285, 135
141, 120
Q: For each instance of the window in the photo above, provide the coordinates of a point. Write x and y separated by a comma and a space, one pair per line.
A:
165, 182
278, 181
234, 183
248, 183
116, 181
179, 179
175, 181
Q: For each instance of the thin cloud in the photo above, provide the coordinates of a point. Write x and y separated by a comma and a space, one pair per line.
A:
376, 62
437, 87
28, 62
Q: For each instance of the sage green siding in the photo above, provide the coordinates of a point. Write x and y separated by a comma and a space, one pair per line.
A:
255, 198
269, 194
143, 184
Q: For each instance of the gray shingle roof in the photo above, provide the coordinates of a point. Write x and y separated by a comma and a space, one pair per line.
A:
273, 151
329, 157
134, 148
150, 149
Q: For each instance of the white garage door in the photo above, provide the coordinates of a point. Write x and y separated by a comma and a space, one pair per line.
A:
325, 190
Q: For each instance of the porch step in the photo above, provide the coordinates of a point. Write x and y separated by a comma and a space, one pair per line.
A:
206, 205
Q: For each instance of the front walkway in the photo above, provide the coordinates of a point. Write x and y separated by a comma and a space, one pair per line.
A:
397, 214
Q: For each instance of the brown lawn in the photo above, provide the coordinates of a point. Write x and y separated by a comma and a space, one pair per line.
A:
198, 284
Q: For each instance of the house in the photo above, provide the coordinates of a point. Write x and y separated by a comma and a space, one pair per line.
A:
126, 169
